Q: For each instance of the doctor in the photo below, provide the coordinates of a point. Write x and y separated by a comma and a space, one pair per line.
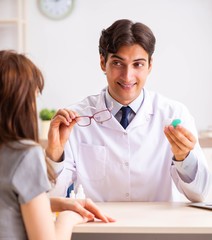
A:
127, 154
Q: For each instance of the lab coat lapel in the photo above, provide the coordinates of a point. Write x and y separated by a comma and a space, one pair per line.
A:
112, 123
143, 115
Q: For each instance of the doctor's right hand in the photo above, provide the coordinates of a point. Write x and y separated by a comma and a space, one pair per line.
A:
59, 131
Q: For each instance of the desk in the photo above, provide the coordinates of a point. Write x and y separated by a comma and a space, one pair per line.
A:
205, 142
141, 220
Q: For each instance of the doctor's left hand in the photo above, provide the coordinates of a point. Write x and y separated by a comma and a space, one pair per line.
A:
59, 131
182, 141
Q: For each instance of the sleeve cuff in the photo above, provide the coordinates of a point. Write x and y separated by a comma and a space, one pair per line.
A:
190, 159
57, 166
187, 168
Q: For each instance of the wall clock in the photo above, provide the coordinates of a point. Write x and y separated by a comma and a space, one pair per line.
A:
56, 9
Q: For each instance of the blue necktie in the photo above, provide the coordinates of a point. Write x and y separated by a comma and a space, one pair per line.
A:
124, 120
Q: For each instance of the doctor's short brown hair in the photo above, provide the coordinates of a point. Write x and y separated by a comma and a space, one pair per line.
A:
124, 32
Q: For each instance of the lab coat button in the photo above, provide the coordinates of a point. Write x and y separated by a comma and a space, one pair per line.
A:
127, 195
126, 164
125, 133
147, 118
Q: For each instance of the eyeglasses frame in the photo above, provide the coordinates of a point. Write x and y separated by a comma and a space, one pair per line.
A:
92, 117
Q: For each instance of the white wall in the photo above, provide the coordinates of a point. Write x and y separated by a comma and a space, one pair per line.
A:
67, 50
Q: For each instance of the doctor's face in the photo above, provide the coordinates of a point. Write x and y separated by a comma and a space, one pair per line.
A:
126, 72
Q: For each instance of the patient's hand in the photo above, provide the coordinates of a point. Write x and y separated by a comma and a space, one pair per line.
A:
85, 207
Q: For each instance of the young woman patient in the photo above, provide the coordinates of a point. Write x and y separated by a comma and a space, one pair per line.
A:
25, 209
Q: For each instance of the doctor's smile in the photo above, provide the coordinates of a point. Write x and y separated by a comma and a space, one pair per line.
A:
127, 86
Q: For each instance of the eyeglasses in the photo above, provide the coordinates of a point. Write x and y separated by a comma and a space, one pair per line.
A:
99, 117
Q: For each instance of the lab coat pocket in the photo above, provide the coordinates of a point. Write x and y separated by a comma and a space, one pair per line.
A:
91, 164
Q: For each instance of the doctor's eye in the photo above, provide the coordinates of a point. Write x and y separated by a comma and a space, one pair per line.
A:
117, 63
139, 64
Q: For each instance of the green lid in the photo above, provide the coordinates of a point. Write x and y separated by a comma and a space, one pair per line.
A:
175, 122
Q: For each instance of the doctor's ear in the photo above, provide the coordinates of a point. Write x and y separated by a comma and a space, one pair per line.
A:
150, 62
102, 63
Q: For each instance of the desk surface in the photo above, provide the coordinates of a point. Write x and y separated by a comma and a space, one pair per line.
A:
142, 217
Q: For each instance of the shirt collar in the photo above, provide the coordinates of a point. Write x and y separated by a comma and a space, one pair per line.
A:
135, 105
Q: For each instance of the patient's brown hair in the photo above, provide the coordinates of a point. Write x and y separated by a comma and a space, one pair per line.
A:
20, 80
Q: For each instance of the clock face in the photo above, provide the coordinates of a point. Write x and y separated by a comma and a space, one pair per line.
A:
55, 9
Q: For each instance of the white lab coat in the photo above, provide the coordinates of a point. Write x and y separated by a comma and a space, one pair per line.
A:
114, 164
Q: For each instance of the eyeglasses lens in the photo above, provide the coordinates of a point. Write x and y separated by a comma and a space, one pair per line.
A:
83, 121
102, 116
